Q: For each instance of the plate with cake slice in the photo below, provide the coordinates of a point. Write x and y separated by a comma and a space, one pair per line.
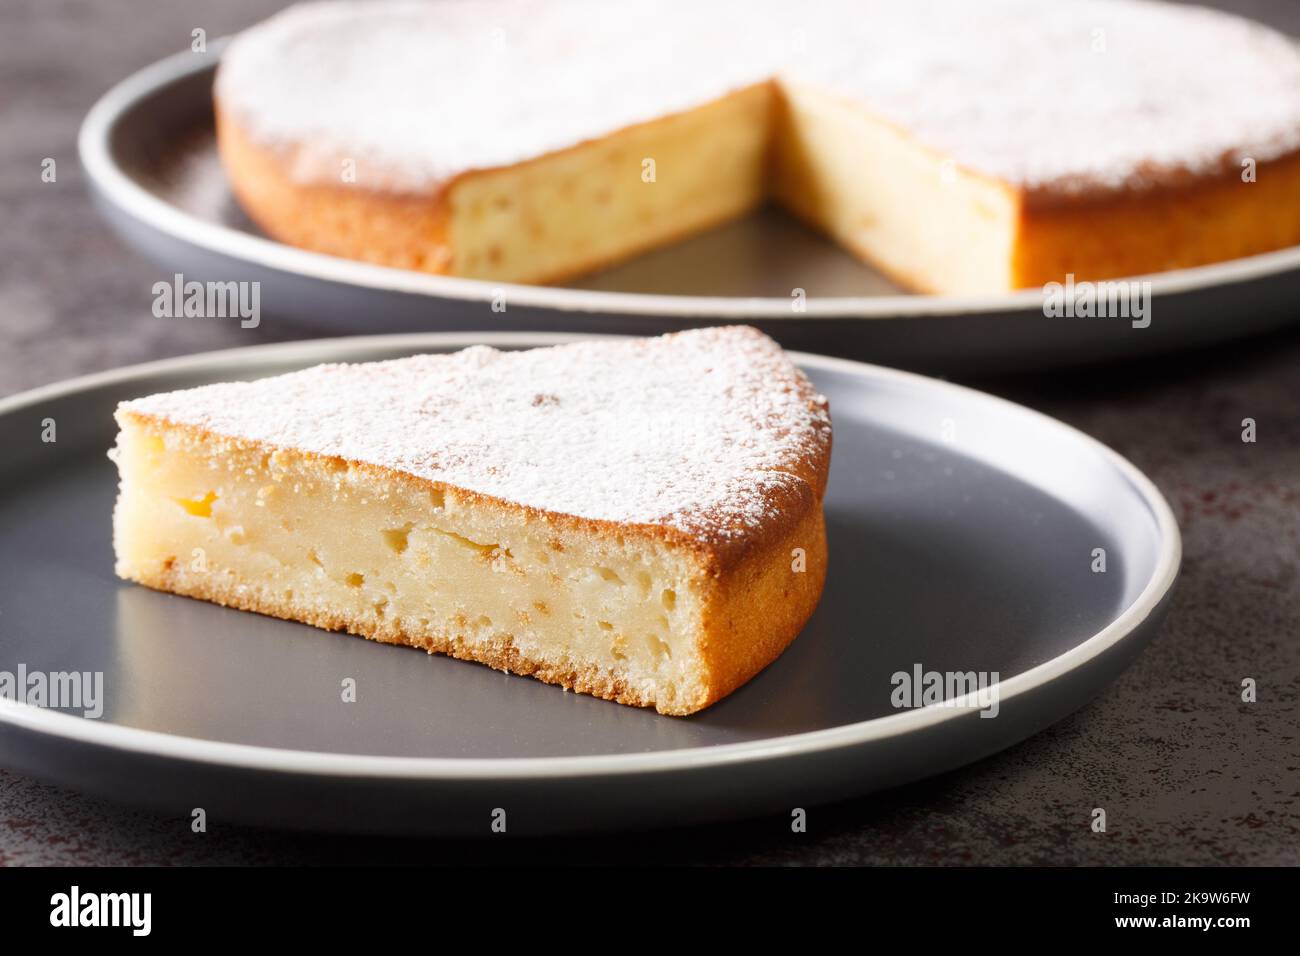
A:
861, 179
447, 583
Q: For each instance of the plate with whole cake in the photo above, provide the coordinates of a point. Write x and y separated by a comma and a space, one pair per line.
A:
658, 581
856, 178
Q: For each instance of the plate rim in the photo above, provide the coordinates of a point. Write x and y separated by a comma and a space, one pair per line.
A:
115, 186
252, 757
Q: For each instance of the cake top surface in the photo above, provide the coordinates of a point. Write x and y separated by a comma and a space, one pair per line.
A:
1065, 96
702, 431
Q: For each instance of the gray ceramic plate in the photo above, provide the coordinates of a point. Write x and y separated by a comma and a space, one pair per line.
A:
962, 532
147, 147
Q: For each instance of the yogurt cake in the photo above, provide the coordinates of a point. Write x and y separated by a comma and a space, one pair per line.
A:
638, 519
959, 147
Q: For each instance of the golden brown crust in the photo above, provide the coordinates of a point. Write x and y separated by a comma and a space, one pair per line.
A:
1182, 222
759, 607
347, 220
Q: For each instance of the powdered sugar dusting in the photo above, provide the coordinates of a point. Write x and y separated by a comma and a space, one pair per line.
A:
697, 430
1066, 95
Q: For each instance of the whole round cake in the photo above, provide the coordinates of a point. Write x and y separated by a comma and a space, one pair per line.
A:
957, 146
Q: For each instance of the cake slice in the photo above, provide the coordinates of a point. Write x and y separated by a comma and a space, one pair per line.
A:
638, 519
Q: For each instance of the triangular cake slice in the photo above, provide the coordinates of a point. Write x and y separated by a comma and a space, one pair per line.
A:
638, 519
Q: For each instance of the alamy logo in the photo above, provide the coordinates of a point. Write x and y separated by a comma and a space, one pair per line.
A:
74, 908
56, 690
208, 300
921, 688
1113, 299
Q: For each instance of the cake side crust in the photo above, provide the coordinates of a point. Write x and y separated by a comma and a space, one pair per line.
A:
401, 230
1185, 221
761, 605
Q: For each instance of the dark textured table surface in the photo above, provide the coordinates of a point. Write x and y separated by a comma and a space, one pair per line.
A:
1186, 771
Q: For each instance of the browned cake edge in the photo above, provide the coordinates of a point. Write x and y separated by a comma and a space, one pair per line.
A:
1178, 222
